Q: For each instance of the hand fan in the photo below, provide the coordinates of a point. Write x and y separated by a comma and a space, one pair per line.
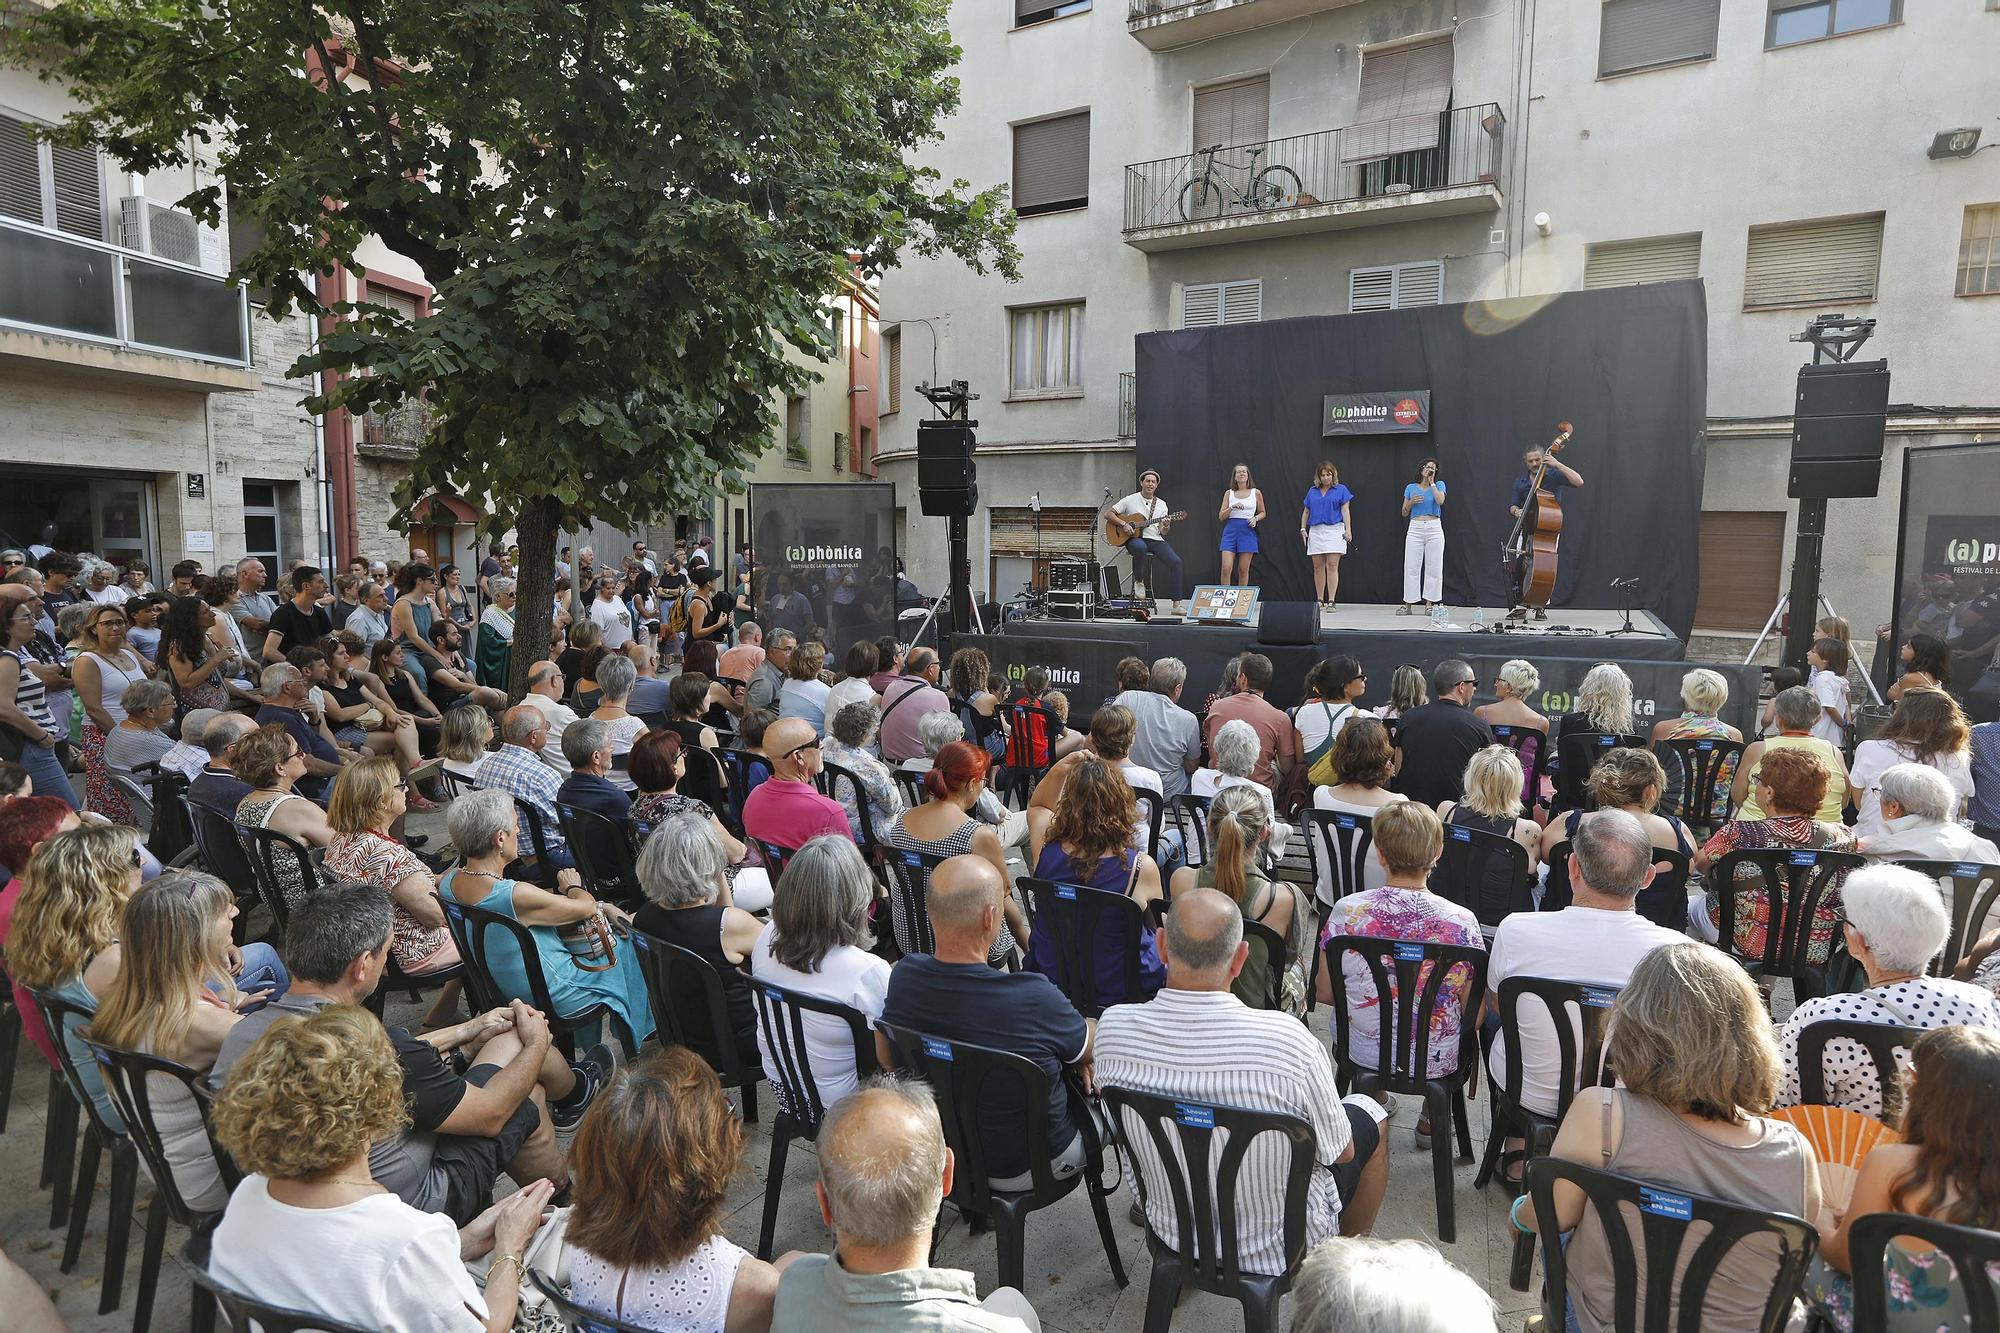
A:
1842, 1139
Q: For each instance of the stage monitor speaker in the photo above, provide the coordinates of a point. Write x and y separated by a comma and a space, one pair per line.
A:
1288, 624
946, 475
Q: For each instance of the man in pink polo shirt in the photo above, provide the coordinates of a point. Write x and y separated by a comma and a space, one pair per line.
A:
785, 810
1275, 745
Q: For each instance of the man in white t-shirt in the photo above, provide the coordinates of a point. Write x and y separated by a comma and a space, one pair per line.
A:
1151, 539
1597, 941
609, 612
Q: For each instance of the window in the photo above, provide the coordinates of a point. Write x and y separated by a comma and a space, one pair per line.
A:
50, 185
1979, 251
1233, 113
1052, 164
1403, 93
1648, 259
1742, 563
1396, 286
1795, 21
839, 319
865, 460
839, 450
1808, 263
1047, 350
1205, 303
892, 371
262, 531
1646, 34
798, 449
1027, 13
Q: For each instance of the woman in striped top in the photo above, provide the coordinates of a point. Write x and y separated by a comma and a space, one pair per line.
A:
24, 708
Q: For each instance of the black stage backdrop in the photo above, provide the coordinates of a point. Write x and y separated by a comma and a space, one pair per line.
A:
1948, 566
1627, 365
829, 539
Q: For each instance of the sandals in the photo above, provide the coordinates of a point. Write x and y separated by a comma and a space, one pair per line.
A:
1404, 610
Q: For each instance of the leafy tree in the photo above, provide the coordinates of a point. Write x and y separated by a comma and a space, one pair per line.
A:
625, 207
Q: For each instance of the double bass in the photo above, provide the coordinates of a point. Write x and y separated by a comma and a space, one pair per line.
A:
1530, 552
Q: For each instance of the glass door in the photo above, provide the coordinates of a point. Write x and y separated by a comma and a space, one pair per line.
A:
123, 509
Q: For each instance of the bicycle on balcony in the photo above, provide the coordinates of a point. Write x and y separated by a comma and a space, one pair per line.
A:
1210, 194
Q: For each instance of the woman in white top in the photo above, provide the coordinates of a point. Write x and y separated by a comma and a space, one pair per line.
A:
1927, 728
652, 1164
1242, 510
861, 662
467, 732
300, 1109
105, 670
1363, 761
804, 694
1335, 687
615, 675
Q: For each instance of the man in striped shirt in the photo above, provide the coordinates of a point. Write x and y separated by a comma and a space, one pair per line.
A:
1197, 1042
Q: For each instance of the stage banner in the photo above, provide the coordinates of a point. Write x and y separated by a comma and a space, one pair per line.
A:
1398, 412
1948, 568
1656, 687
824, 554
1086, 670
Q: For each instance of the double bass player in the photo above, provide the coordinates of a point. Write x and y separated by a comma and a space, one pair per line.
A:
1543, 471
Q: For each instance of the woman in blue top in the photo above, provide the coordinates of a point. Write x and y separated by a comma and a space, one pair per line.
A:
1423, 545
1326, 523
483, 830
1095, 841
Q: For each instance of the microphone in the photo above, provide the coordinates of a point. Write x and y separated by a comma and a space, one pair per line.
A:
1625, 583
1107, 492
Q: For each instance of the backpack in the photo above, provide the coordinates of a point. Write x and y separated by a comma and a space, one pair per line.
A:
677, 614
1319, 763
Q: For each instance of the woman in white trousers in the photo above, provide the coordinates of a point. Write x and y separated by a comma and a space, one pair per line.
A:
1423, 544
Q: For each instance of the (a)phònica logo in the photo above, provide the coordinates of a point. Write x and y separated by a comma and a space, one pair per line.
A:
823, 555
1058, 675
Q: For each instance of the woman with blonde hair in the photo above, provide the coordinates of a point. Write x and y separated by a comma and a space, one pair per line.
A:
467, 732
1408, 691
1239, 838
1703, 694
369, 796
302, 1106
1698, 1071
804, 694
1630, 780
1515, 684
1091, 841
1603, 703
1492, 801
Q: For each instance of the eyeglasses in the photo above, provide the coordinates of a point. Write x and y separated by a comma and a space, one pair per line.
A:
11, 563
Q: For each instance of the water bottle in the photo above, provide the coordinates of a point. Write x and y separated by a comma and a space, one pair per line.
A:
1479, 620
1438, 616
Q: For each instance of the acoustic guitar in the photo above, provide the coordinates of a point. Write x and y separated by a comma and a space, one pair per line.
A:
1120, 528
1531, 550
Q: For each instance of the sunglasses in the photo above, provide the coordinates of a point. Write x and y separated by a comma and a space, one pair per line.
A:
12, 564
801, 749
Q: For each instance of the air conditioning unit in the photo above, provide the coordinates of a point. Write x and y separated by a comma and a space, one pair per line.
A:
152, 228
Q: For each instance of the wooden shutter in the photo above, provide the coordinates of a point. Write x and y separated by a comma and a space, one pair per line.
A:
1402, 93
1979, 251
1052, 163
1371, 289
1231, 114
79, 190
1065, 530
1639, 34
1742, 561
1804, 263
1648, 259
1210, 303
892, 357
20, 172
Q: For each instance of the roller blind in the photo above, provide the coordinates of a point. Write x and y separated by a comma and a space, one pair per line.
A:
1052, 163
1639, 34
1402, 94
1065, 530
1742, 561
1233, 113
1801, 263
1395, 286
1648, 259
1210, 303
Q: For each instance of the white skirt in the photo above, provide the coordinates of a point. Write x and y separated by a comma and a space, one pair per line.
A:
1326, 539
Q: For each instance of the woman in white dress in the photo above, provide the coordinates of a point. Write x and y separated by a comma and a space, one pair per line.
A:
1326, 522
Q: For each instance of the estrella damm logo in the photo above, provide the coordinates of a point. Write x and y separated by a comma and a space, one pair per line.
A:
823, 555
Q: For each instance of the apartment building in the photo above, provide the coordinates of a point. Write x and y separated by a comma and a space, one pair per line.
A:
1385, 153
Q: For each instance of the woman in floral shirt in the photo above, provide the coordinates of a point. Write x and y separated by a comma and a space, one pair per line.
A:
1789, 783
368, 797
849, 732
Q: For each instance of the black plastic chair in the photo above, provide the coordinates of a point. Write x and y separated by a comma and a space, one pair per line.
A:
1579, 1014
1485, 873
911, 785
541, 867
172, 830
58, 1014
1277, 956
271, 855
741, 767
1152, 811
1664, 1218
1880, 1041
1664, 902
469, 928
1974, 890
703, 780
1201, 1181
828, 782
1576, 754
455, 785
606, 858
244, 1313
1029, 727
1795, 882
1189, 814
1341, 842
1532, 748
1403, 1045
1075, 915
1970, 1250
690, 1004
10, 1047
576, 1319
776, 858
223, 856
909, 907
966, 1078
1701, 761
781, 1017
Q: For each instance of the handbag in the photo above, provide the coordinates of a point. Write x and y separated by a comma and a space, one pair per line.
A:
368, 719
1319, 767
591, 943
548, 1255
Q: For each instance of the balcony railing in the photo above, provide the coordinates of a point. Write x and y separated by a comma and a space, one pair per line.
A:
74, 287
1166, 24
1282, 176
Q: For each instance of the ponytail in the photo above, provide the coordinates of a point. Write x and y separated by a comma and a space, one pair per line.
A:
1237, 823
1229, 855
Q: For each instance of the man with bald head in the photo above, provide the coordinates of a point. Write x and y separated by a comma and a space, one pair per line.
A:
955, 995
1197, 1043
785, 810
517, 769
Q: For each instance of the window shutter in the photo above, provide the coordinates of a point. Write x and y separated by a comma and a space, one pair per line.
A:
1402, 94
1231, 114
1243, 302
79, 190
1052, 163
1201, 304
1371, 289
1648, 259
1801, 263
1979, 251
20, 172
1639, 34
1209, 303
892, 355
1743, 560
1066, 530
1396, 286
402, 303
1419, 284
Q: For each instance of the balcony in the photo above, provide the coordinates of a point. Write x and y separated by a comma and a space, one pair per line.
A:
1163, 25
98, 307
1361, 176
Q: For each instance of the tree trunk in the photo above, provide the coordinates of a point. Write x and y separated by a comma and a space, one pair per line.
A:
535, 590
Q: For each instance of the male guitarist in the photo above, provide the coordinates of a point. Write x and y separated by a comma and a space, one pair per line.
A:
1555, 475
1144, 515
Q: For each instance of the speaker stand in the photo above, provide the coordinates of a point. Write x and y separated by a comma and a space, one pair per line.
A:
1771, 622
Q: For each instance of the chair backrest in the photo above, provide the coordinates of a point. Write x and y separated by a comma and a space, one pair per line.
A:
1031, 733
1074, 915
1531, 747
1344, 841
1267, 940
538, 832
1702, 760
690, 1006
470, 927
603, 851
60, 1016
781, 1019
703, 780
911, 785
173, 828
1200, 1171
969, 1080
455, 784
1419, 969
136, 793
244, 1313
279, 860
1579, 1013
222, 853
1151, 811
1972, 1252
1189, 814
1796, 881
128, 1078
776, 857
1486, 873
1974, 890
1664, 1218
1887, 1045
576, 1319
1663, 902
830, 777
1576, 754
743, 768
909, 882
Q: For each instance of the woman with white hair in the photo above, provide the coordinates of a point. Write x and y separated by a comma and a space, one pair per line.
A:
1603, 703
1895, 924
1703, 693
1353, 1282
1919, 808
684, 872
1513, 686
1235, 753
849, 734
615, 676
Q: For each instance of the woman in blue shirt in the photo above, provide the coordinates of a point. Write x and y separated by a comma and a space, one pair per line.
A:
1326, 524
1423, 544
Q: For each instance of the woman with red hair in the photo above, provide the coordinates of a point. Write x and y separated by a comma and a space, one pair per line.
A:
26, 822
943, 826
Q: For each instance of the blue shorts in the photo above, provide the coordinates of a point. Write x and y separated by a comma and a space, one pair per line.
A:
1239, 536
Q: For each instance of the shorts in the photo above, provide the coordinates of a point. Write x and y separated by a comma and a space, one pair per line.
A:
352, 737
1367, 1136
471, 1163
1239, 536
1326, 539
